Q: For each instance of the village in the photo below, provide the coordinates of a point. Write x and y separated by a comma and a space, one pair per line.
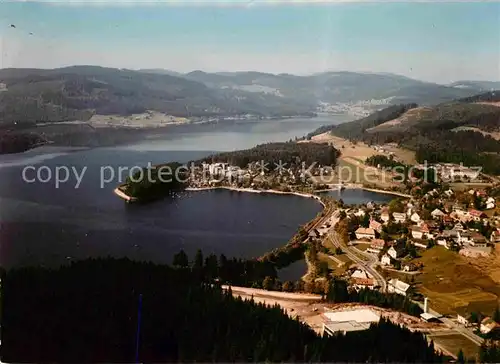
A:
378, 247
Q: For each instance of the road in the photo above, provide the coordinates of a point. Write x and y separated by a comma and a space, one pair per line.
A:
454, 325
368, 266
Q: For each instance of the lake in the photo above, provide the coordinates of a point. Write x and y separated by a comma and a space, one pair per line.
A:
49, 224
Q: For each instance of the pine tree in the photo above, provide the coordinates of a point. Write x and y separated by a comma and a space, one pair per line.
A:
460, 357
198, 259
496, 315
180, 259
268, 283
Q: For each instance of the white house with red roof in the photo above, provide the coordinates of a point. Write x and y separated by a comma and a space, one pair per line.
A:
476, 215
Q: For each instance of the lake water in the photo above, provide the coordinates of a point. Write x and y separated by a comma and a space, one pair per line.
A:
45, 224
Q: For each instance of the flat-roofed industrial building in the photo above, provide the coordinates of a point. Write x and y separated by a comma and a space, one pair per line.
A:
348, 320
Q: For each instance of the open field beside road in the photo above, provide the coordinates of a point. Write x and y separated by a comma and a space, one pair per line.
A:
453, 341
351, 167
449, 281
361, 151
489, 265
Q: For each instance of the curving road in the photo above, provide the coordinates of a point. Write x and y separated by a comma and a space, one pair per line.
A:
368, 266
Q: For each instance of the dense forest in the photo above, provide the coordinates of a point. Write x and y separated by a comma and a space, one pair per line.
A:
78, 92
16, 142
289, 153
156, 182
489, 352
89, 312
492, 96
455, 132
355, 129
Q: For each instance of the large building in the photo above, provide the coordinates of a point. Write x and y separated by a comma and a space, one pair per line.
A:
349, 320
397, 286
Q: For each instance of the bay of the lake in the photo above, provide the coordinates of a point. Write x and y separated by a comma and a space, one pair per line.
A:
46, 224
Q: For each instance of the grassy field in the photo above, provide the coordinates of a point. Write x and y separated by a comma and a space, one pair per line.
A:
449, 282
454, 342
334, 265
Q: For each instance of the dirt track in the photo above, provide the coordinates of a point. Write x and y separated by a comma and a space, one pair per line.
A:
309, 307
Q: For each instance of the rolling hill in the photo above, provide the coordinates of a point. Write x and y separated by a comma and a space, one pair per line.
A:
29, 96
335, 87
463, 131
76, 93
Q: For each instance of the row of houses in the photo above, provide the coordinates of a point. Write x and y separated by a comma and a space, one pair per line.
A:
362, 279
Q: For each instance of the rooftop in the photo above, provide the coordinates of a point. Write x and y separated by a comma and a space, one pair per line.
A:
364, 315
365, 231
427, 316
399, 284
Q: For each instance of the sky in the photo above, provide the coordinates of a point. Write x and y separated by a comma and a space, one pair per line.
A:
433, 41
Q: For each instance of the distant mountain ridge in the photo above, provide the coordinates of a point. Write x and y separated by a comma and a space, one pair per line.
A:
29, 96
463, 131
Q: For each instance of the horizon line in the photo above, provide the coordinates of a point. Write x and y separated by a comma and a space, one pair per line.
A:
248, 71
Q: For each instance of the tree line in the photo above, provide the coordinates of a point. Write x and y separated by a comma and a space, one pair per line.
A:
156, 182
289, 153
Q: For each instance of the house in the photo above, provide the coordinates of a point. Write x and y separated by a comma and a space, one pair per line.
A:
449, 234
359, 283
448, 193
384, 214
375, 225
463, 316
458, 227
376, 246
478, 240
314, 234
459, 208
417, 232
386, 259
482, 193
360, 273
415, 217
437, 214
409, 267
394, 253
365, 233
487, 325
399, 217
447, 219
464, 237
397, 286
495, 236
360, 213
476, 215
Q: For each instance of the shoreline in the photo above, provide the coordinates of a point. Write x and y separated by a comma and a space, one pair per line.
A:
251, 190
117, 191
